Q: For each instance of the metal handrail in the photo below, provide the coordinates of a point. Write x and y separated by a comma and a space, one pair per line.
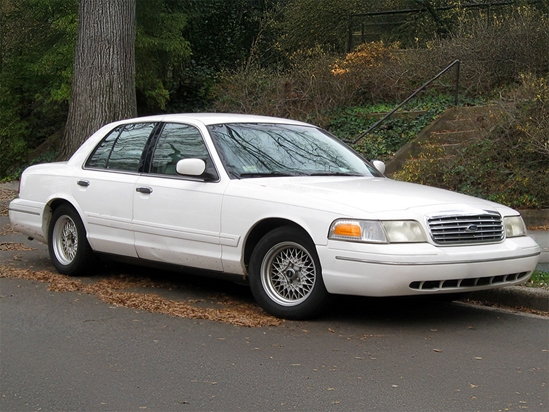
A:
376, 124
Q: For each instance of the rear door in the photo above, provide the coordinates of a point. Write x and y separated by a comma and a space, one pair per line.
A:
105, 189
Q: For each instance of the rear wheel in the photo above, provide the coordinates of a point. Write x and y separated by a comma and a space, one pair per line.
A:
285, 275
68, 246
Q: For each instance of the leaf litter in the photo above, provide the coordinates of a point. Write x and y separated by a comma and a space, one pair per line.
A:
6, 246
114, 290
6, 196
7, 230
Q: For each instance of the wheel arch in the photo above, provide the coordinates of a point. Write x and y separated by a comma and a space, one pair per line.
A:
261, 229
50, 207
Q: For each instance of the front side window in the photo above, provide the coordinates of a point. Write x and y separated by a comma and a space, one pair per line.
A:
258, 150
176, 142
122, 148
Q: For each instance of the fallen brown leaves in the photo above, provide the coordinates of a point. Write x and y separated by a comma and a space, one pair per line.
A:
5, 246
7, 230
112, 291
6, 196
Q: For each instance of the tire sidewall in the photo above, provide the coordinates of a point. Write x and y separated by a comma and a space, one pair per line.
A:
316, 300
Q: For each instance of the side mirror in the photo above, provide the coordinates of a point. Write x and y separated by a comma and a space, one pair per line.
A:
191, 167
379, 165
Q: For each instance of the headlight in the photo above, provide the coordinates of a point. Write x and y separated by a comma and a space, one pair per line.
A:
514, 226
376, 231
404, 231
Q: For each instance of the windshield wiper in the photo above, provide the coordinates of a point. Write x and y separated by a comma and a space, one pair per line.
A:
336, 174
266, 174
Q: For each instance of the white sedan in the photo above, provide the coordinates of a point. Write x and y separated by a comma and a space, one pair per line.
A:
281, 203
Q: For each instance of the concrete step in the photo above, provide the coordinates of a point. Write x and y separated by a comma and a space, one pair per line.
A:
451, 149
461, 124
455, 125
454, 136
474, 111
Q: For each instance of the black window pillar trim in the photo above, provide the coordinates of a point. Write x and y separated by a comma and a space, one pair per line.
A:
146, 157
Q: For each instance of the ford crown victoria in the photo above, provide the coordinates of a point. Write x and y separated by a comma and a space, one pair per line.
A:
280, 203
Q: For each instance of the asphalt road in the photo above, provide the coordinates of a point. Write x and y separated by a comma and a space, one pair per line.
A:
73, 351
69, 351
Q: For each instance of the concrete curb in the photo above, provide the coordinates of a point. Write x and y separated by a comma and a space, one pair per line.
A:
514, 297
538, 217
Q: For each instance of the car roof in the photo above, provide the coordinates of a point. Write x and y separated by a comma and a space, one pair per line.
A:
214, 118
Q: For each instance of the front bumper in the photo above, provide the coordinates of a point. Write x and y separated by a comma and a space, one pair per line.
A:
422, 268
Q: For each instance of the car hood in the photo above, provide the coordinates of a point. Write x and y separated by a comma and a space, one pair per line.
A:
370, 195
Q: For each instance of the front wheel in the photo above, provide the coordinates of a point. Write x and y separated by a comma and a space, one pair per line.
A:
68, 246
285, 275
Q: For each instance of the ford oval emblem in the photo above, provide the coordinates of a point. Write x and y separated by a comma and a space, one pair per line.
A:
472, 228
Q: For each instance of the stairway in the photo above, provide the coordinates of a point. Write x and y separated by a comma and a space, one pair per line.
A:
445, 138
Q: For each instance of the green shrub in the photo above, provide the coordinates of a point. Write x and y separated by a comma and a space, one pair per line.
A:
316, 83
13, 154
539, 279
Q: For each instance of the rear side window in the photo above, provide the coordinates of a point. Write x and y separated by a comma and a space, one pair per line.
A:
176, 142
122, 148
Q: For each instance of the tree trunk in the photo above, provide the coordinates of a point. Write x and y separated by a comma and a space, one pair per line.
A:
103, 86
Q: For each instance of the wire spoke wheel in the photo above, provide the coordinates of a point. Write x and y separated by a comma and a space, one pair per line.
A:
65, 240
285, 275
68, 245
288, 273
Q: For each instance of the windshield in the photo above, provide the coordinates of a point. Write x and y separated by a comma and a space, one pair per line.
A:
258, 150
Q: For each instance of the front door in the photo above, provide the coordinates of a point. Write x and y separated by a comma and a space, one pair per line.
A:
177, 219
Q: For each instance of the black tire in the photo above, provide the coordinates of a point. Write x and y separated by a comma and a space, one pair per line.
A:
68, 246
285, 275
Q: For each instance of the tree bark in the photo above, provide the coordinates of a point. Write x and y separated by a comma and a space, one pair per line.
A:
103, 86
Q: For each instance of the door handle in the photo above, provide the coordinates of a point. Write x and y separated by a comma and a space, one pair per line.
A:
146, 190
83, 183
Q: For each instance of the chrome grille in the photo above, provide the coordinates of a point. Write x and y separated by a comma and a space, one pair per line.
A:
460, 229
